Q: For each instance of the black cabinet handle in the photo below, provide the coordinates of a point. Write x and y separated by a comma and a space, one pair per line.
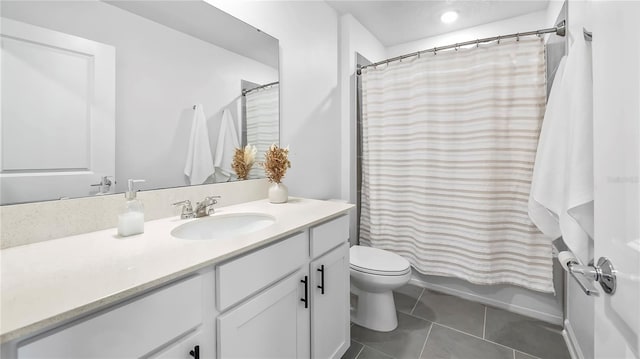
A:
321, 286
306, 292
195, 353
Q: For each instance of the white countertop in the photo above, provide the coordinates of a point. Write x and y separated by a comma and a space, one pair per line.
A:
47, 283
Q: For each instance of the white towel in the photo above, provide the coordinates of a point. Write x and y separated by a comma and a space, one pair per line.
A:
227, 143
561, 200
199, 164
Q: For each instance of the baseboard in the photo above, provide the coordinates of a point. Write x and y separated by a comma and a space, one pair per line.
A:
492, 302
572, 343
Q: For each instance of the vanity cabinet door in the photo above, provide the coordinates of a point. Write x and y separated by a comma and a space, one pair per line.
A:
135, 329
273, 324
193, 346
330, 336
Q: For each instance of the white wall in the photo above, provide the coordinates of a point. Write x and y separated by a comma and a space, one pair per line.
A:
354, 38
160, 74
310, 94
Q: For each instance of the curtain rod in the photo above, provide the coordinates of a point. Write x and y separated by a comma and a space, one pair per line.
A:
244, 91
559, 30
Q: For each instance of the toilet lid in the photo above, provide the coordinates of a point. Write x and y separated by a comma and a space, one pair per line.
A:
377, 261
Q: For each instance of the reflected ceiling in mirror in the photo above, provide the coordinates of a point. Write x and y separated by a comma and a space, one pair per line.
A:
95, 93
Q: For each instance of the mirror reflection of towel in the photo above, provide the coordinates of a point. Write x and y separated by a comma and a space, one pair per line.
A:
227, 144
199, 164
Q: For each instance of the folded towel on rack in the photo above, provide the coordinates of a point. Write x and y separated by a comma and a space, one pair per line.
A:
199, 164
228, 141
561, 198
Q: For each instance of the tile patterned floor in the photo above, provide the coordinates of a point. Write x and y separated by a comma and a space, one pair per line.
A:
436, 325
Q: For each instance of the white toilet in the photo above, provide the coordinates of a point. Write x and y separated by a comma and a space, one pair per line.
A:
374, 274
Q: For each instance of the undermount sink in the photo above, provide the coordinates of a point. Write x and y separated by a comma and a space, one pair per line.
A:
223, 226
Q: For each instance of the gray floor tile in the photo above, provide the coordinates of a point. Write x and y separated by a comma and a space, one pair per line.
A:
370, 353
353, 351
451, 311
520, 355
405, 341
447, 343
406, 297
525, 334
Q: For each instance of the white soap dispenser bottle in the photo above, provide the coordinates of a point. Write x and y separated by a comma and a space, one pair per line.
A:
131, 219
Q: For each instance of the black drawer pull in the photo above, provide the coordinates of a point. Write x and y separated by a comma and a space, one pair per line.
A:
195, 353
321, 286
306, 291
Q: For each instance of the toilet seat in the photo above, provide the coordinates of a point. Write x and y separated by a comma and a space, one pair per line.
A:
377, 261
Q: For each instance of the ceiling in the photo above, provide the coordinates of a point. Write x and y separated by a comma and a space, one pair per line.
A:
397, 22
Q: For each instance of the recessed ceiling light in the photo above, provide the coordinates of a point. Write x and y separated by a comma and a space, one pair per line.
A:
449, 17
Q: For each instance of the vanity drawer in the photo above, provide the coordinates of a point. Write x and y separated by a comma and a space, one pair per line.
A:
329, 235
130, 330
251, 273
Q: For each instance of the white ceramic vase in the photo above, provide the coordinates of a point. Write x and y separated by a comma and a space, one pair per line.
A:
278, 193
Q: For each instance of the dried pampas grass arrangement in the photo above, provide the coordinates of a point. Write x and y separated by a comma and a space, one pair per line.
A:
243, 160
276, 163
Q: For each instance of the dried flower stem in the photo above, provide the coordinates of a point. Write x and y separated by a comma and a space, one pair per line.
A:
276, 163
243, 159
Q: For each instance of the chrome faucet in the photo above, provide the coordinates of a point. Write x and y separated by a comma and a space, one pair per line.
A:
205, 207
187, 210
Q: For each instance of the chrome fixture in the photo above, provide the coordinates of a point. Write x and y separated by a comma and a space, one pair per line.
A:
105, 184
559, 29
187, 209
603, 273
205, 207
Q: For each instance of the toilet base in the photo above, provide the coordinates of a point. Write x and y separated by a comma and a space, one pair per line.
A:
375, 311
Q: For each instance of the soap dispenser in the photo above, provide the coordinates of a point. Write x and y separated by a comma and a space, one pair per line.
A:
131, 219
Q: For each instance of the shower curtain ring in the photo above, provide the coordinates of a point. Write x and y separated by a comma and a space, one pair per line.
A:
477, 43
456, 47
435, 51
518, 37
498, 40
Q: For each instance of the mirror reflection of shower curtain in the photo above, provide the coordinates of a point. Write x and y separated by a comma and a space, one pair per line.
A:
262, 123
449, 143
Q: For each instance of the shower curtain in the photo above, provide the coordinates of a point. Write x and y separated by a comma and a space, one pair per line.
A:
263, 126
449, 142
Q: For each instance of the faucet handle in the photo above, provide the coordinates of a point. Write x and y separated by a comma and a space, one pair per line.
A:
210, 201
187, 209
185, 203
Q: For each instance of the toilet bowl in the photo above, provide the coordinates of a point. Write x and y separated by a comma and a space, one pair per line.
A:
375, 273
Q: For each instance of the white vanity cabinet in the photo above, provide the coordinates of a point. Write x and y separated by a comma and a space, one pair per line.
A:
330, 322
273, 324
167, 322
287, 299
304, 312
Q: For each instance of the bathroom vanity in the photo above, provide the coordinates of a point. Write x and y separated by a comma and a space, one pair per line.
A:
281, 291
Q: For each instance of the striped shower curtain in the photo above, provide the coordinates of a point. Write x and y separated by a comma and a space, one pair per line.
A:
449, 142
263, 124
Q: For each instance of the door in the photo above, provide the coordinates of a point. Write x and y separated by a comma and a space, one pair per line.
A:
330, 322
616, 80
273, 324
58, 114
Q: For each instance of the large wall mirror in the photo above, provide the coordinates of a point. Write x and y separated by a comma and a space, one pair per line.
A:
97, 92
